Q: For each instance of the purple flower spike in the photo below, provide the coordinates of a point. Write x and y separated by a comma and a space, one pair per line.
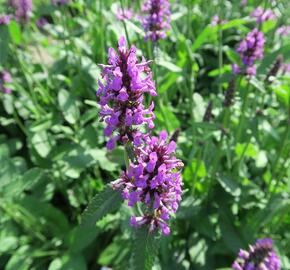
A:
250, 50
260, 256
5, 78
5, 19
23, 9
157, 22
122, 94
263, 15
154, 180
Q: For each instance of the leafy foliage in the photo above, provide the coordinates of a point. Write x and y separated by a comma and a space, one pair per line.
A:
57, 207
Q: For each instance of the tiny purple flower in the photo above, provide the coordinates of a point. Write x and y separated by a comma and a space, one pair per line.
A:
260, 256
155, 180
23, 9
5, 78
262, 15
41, 22
122, 94
5, 19
157, 22
216, 21
284, 30
124, 14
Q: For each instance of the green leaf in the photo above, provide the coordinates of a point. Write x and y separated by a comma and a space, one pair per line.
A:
18, 184
20, 260
15, 32
8, 243
4, 43
230, 233
81, 237
115, 253
69, 262
207, 33
234, 23
145, 249
249, 150
229, 185
167, 118
41, 143
169, 65
68, 106
283, 94
45, 216
102, 204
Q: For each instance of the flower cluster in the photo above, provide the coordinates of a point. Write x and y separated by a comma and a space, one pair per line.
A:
262, 15
216, 20
155, 180
124, 14
5, 78
5, 19
122, 94
283, 30
23, 9
250, 50
41, 22
157, 22
153, 176
260, 256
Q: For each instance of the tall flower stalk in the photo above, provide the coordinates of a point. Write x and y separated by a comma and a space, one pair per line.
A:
250, 49
260, 256
122, 95
153, 174
157, 19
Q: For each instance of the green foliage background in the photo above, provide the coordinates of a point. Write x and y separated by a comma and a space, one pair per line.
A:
52, 148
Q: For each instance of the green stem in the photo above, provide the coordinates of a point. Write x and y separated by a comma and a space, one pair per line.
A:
220, 52
243, 109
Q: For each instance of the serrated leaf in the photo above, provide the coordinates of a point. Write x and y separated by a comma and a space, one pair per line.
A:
103, 203
145, 249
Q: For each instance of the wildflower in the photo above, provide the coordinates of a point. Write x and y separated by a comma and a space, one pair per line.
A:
244, 2
260, 256
122, 94
285, 68
154, 180
157, 22
216, 21
5, 19
23, 9
250, 50
124, 14
5, 78
262, 15
284, 30
41, 22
